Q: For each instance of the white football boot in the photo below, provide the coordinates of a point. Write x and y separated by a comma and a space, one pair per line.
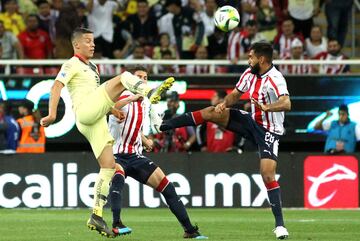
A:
281, 232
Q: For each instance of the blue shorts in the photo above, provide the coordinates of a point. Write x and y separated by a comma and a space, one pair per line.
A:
242, 123
136, 166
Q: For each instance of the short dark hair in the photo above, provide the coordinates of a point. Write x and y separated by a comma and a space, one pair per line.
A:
221, 93
28, 104
79, 31
263, 49
344, 108
40, 2
135, 68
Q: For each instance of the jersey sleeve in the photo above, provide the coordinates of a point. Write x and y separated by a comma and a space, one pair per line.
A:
279, 85
67, 71
243, 84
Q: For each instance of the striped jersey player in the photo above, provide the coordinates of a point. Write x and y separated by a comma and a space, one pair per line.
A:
128, 148
264, 125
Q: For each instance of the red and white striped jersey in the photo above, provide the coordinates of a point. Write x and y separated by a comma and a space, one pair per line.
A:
235, 49
283, 45
296, 68
127, 134
332, 68
266, 89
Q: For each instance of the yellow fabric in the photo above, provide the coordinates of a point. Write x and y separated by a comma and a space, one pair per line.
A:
10, 20
101, 188
90, 103
91, 119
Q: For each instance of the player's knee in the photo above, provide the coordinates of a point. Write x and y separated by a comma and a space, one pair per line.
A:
267, 177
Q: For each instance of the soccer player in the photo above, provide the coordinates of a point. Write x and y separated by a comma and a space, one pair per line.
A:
129, 141
264, 125
91, 102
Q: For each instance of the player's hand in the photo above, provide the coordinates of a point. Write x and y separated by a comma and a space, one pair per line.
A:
260, 105
148, 145
220, 107
120, 115
47, 120
135, 98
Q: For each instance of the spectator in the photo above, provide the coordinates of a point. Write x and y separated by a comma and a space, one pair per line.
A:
207, 17
100, 22
297, 53
142, 25
213, 138
167, 69
165, 45
188, 28
11, 48
3, 130
81, 11
47, 18
218, 42
123, 44
282, 41
12, 130
316, 43
104, 69
249, 10
36, 42
139, 53
178, 140
201, 54
250, 36
267, 20
68, 20
342, 134
302, 13
338, 13
27, 7
233, 49
13, 21
32, 138
333, 53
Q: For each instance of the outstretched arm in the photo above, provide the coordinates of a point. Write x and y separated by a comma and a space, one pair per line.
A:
283, 104
53, 104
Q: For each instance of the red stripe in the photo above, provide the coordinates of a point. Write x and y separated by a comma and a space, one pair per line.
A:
242, 78
137, 127
123, 97
255, 95
164, 182
275, 87
122, 133
272, 185
197, 117
120, 172
230, 44
130, 127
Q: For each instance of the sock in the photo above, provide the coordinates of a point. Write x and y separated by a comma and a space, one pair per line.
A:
187, 119
134, 84
101, 189
115, 195
175, 204
274, 195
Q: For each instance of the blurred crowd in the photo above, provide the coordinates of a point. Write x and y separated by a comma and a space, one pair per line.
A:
174, 29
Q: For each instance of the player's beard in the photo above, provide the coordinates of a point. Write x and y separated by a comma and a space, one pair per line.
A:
255, 69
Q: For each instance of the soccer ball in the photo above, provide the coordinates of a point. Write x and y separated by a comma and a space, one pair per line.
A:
226, 18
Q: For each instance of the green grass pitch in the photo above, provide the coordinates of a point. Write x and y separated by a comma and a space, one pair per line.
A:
161, 225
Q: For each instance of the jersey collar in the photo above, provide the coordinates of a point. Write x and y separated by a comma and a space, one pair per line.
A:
267, 71
81, 58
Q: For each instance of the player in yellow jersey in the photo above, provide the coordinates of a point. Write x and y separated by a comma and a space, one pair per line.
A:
91, 102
